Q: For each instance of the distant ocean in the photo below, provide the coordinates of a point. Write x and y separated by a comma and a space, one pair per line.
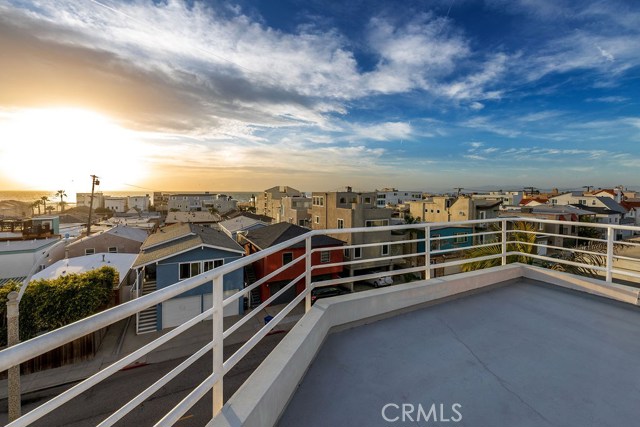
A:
30, 196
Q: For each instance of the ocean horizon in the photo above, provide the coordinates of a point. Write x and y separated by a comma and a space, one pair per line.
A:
33, 195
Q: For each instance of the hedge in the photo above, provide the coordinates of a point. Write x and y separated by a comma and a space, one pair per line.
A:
48, 304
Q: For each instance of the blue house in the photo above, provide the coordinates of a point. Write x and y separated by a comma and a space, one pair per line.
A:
447, 238
178, 252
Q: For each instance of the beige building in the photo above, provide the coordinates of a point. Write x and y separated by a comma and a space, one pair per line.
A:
295, 210
119, 239
270, 200
443, 209
348, 209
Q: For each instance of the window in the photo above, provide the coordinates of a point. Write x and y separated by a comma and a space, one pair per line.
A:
318, 201
384, 250
367, 200
287, 257
210, 265
317, 219
346, 253
325, 257
460, 237
343, 200
357, 253
435, 244
112, 250
89, 251
302, 222
188, 269
376, 222
340, 223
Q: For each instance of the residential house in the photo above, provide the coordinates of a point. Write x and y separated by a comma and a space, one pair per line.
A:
393, 197
204, 218
443, 209
349, 209
139, 203
295, 210
115, 204
239, 225
558, 235
633, 210
121, 262
19, 257
189, 202
161, 201
119, 239
270, 200
443, 238
506, 197
84, 199
266, 237
178, 252
220, 204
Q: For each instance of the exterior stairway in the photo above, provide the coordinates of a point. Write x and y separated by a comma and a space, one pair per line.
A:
254, 300
147, 320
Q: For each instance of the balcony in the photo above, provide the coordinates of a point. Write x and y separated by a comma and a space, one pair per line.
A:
515, 344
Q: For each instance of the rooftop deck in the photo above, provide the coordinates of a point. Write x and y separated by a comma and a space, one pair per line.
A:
524, 354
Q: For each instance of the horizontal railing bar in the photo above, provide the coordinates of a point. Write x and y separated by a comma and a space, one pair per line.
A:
149, 391
248, 346
231, 298
264, 304
350, 279
191, 399
564, 261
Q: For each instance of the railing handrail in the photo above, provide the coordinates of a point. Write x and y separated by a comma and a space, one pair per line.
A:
29, 349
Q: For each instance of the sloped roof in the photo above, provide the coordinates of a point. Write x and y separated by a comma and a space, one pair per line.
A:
486, 203
271, 235
130, 233
264, 218
178, 238
597, 209
612, 204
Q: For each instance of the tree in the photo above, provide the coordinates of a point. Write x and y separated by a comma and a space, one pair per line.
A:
33, 207
521, 239
62, 195
44, 199
50, 209
597, 257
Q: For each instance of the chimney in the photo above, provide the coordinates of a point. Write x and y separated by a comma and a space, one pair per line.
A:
349, 189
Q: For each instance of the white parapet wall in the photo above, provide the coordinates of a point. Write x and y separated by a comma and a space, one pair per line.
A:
262, 398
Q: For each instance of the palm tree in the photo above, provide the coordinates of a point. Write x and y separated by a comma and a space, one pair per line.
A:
62, 195
521, 239
597, 257
44, 199
36, 204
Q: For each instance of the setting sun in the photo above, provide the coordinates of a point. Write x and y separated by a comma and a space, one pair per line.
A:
61, 147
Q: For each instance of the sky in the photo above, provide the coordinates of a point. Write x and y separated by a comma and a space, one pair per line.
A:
318, 95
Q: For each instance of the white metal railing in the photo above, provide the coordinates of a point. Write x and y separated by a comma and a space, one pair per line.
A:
414, 260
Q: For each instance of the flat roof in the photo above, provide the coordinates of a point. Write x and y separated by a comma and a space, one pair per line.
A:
526, 354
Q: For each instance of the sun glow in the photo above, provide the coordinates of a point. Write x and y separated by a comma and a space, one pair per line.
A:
60, 147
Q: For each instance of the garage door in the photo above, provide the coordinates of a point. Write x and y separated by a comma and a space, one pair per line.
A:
176, 311
232, 309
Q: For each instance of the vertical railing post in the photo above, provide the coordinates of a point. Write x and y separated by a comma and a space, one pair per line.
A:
13, 338
427, 252
307, 276
218, 329
504, 242
610, 239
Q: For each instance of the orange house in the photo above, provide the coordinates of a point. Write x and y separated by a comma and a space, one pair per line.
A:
266, 237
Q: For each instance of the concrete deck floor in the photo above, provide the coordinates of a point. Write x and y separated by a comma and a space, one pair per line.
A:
522, 355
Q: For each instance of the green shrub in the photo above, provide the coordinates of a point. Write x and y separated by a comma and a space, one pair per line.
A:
51, 304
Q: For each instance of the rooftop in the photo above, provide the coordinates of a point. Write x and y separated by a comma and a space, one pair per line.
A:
121, 262
525, 354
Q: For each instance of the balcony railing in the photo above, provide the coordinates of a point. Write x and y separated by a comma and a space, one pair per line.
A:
494, 232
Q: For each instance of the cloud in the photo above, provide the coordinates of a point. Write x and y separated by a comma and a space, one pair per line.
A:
384, 131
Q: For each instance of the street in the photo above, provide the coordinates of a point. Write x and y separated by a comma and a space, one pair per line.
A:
94, 406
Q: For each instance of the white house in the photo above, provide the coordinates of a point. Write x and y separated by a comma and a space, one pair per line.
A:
393, 196
116, 204
138, 202
19, 257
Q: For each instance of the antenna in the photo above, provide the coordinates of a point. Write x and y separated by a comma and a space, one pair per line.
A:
588, 187
458, 189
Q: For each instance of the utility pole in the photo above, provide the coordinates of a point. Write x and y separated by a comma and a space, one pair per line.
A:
94, 182
13, 383
588, 187
458, 189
